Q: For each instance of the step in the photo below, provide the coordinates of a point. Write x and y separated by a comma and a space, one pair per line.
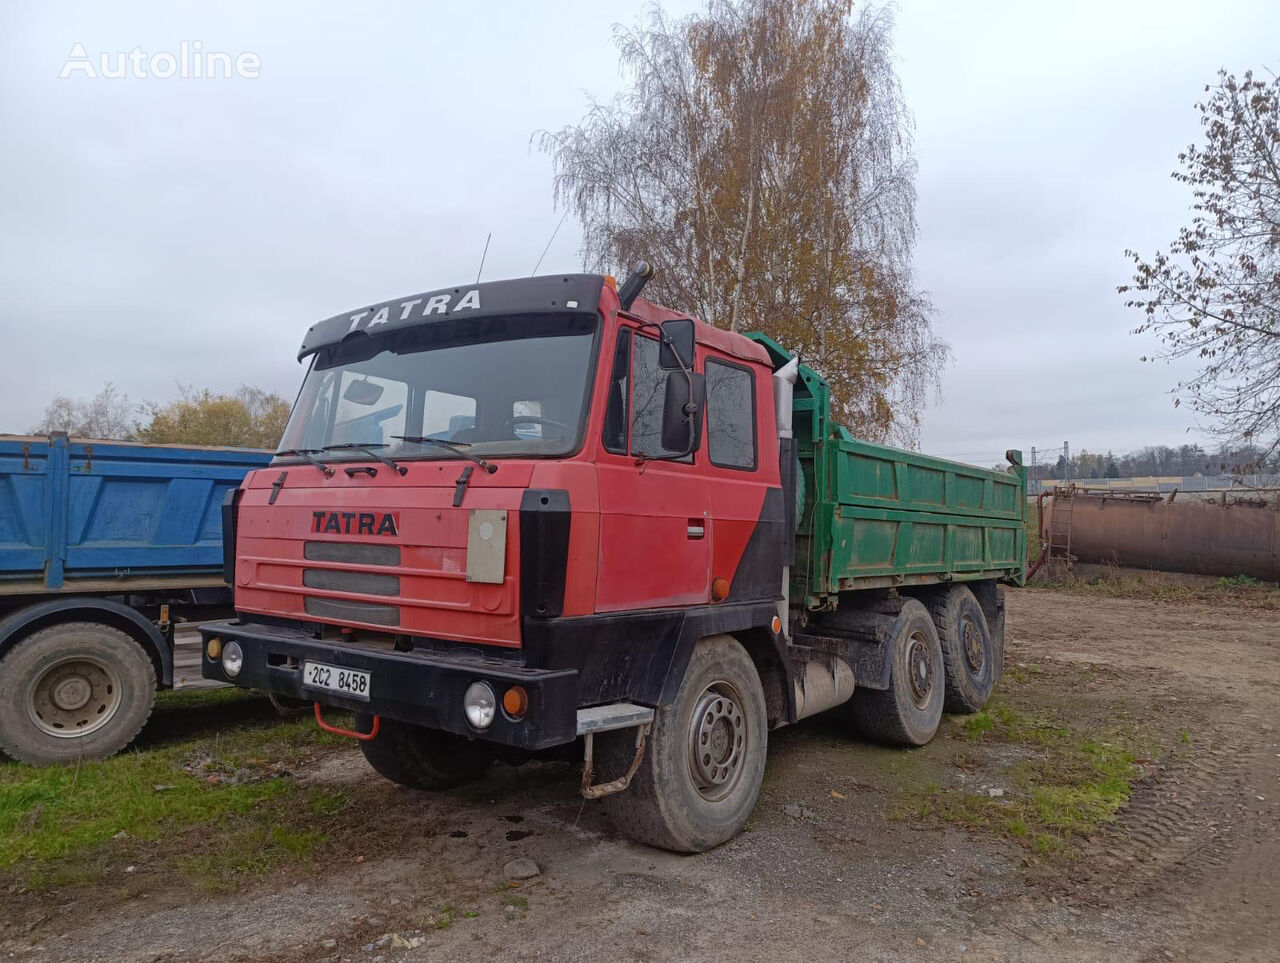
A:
616, 715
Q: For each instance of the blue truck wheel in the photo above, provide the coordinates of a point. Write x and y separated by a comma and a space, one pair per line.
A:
78, 690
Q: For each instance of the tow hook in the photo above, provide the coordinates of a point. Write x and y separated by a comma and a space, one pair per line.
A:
349, 733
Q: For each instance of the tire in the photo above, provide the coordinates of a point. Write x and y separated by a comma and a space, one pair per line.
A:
909, 711
423, 758
680, 802
967, 649
71, 692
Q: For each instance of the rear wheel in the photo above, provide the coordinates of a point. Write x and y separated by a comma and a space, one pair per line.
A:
74, 691
423, 758
967, 648
909, 711
704, 759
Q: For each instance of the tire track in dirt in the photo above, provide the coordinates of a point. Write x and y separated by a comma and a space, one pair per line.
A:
1196, 845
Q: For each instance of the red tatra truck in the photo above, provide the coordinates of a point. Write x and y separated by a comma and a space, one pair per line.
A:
547, 516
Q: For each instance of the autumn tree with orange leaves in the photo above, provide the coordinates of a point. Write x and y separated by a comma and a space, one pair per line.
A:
761, 160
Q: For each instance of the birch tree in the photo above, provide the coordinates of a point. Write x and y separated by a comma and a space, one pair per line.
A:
760, 158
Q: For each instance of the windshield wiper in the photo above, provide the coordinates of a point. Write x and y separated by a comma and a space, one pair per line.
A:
308, 454
368, 449
457, 447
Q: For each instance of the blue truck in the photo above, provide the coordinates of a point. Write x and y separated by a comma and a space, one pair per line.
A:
105, 546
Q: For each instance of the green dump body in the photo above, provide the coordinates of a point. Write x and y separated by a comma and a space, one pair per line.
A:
872, 517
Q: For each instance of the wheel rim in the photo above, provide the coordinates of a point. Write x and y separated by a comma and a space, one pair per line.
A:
920, 669
719, 740
974, 651
73, 698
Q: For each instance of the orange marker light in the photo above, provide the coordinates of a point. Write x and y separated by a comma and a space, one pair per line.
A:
610, 280
719, 589
214, 647
776, 625
515, 702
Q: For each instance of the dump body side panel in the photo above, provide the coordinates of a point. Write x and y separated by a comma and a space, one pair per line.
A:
899, 517
112, 514
880, 517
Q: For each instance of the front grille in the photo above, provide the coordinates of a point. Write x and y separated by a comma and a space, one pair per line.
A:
370, 612
357, 553
360, 583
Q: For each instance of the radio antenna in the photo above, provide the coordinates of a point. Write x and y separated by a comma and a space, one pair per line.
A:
549, 240
483, 255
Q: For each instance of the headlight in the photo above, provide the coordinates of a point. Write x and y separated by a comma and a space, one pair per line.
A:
232, 659
479, 704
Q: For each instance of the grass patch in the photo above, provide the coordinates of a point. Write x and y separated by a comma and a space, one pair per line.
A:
225, 796
1003, 723
1066, 790
515, 900
248, 852
1112, 582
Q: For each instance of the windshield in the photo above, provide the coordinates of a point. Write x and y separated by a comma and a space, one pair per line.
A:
405, 394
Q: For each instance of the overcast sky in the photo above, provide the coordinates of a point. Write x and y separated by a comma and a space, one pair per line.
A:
164, 231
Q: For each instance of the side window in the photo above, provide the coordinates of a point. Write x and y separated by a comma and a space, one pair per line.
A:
369, 410
731, 416
616, 406
648, 394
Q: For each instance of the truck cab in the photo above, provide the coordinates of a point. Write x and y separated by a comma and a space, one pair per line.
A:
520, 515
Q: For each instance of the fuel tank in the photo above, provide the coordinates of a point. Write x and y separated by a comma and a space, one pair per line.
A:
1230, 534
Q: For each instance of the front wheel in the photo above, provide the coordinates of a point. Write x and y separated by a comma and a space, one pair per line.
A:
74, 691
704, 761
423, 758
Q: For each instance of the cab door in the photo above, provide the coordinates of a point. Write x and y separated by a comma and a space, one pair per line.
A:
740, 468
655, 544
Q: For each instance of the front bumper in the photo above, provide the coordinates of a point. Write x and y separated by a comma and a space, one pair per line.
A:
419, 688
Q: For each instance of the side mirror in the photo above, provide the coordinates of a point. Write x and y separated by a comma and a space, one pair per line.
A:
682, 413
677, 336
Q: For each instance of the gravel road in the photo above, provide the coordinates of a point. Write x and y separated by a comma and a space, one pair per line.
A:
831, 866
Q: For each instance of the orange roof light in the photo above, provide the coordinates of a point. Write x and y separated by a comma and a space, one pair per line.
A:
610, 280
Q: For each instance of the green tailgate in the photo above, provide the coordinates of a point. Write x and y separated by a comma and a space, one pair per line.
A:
878, 517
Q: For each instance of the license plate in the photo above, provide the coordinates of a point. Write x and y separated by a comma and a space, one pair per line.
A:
352, 682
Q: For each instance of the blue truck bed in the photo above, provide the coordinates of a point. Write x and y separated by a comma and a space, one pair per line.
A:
92, 515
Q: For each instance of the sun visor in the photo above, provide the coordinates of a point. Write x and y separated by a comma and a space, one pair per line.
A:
553, 294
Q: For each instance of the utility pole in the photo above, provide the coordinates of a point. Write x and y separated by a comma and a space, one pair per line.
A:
1066, 462
1035, 474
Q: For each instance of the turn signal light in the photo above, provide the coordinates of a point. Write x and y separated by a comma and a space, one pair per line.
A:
214, 648
515, 702
719, 589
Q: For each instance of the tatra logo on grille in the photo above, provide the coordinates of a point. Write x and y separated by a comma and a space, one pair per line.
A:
355, 523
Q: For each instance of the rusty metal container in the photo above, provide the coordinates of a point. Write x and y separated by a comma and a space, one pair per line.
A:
1231, 535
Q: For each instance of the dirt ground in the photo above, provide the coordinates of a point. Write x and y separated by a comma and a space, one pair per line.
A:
840, 860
